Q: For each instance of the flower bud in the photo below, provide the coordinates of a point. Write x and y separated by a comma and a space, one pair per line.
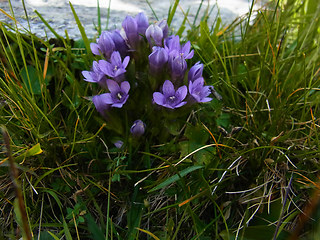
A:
157, 59
195, 72
130, 27
142, 22
104, 45
154, 35
138, 128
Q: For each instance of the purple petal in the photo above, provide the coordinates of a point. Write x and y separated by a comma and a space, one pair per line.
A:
198, 82
206, 99
87, 76
125, 61
168, 88
158, 98
106, 98
190, 55
113, 86
180, 104
181, 93
142, 22
117, 105
125, 86
94, 48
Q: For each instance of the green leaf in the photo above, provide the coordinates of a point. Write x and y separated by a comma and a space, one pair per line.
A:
94, 229
176, 177
35, 150
66, 230
82, 31
172, 12
31, 79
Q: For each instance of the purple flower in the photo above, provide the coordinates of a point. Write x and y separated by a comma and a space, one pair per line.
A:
118, 94
195, 72
115, 68
118, 144
170, 98
119, 42
95, 75
172, 45
157, 59
164, 26
130, 27
199, 92
142, 23
104, 45
154, 35
138, 127
178, 67
100, 104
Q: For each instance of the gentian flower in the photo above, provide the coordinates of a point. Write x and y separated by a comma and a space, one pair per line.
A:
154, 35
172, 45
195, 72
138, 127
99, 103
118, 144
104, 45
199, 92
178, 67
115, 68
119, 42
142, 23
118, 94
170, 98
130, 27
157, 59
164, 26
95, 75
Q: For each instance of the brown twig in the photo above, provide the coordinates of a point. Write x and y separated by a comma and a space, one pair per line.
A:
15, 175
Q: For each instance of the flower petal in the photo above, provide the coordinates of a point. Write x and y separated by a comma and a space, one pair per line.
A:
125, 61
87, 76
106, 98
113, 86
181, 93
158, 98
95, 48
180, 104
125, 86
168, 88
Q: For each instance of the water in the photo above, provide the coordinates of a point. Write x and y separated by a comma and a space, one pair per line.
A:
59, 15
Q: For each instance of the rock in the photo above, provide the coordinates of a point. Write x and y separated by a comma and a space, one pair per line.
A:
60, 17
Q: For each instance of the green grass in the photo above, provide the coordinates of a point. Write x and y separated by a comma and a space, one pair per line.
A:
244, 167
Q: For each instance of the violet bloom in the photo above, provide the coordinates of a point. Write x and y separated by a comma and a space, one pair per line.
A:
105, 45
157, 59
195, 72
118, 144
170, 98
130, 27
199, 92
119, 42
164, 26
142, 23
178, 67
100, 104
118, 94
116, 67
154, 35
172, 45
138, 128
95, 75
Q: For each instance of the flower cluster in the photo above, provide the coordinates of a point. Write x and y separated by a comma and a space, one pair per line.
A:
141, 63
